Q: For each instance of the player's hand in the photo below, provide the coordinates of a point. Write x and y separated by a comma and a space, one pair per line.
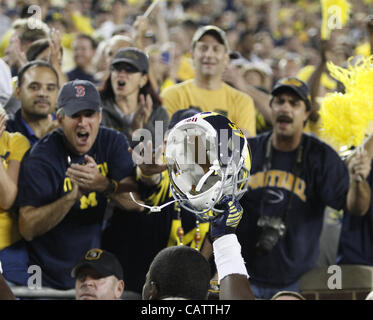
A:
87, 176
227, 222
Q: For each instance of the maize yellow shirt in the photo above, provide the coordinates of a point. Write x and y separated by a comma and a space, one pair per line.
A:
13, 146
234, 104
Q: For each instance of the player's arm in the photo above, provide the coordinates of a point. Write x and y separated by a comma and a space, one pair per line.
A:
232, 273
35, 221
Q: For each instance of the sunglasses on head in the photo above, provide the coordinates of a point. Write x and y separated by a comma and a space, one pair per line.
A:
124, 67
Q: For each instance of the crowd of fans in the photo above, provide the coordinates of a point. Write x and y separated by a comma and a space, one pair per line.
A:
99, 41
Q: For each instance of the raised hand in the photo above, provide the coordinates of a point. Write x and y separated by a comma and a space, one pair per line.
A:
55, 58
359, 166
227, 222
142, 114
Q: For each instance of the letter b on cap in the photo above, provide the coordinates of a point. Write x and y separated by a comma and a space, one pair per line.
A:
79, 91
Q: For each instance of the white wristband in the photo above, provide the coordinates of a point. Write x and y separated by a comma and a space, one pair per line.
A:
1, 268
228, 258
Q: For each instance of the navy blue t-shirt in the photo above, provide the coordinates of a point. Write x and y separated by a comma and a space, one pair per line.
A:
356, 240
42, 180
323, 180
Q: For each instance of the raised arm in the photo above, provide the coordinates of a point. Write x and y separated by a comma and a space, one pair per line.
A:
315, 80
232, 273
261, 99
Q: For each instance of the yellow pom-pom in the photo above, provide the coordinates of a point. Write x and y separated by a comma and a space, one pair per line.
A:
345, 117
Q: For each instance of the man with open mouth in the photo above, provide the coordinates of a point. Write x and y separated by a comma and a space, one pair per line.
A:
67, 179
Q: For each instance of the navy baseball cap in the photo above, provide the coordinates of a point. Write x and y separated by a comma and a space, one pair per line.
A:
104, 262
134, 57
78, 95
295, 85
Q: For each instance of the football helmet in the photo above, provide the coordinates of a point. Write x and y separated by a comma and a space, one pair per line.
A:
207, 157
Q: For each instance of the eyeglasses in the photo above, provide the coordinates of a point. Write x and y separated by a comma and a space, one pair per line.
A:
118, 67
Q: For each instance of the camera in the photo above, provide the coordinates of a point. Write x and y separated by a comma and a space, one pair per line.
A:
271, 230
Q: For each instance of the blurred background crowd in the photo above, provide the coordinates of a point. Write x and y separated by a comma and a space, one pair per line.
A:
270, 39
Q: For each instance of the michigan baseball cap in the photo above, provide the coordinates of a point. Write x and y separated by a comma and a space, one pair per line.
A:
102, 261
134, 57
297, 86
213, 30
78, 95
